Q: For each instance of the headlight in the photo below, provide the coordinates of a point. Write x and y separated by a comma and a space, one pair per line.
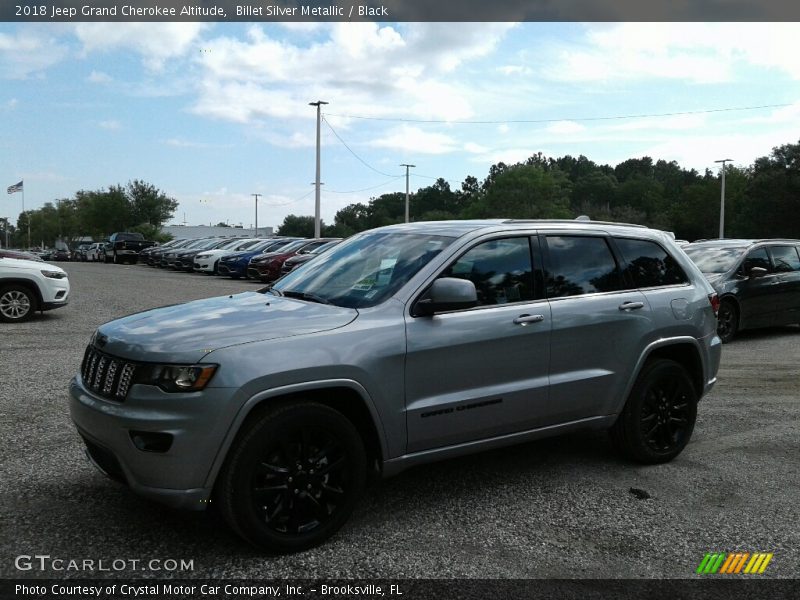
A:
54, 274
178, 378
202, 255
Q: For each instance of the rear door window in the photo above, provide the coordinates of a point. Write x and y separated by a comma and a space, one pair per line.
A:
580, 265
786, 258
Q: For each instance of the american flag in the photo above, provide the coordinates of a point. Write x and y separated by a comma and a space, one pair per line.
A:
17, 187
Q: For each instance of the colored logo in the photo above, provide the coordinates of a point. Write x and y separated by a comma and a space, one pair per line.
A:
732, 563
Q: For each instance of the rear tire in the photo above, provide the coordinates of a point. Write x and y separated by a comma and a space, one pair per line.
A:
659, 415
727, 321
292, 477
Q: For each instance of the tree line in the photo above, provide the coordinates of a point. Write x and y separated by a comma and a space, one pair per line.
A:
762, 200
137, 206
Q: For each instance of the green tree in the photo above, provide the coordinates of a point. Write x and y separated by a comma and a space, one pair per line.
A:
525, 192
148, 204
294, 225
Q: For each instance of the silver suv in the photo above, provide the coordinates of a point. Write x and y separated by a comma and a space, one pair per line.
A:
402, 345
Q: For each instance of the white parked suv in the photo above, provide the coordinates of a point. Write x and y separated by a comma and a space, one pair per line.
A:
27, 286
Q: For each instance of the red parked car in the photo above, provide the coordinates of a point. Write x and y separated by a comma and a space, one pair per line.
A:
268, 268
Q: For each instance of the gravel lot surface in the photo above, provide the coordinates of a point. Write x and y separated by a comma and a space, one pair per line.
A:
554, 509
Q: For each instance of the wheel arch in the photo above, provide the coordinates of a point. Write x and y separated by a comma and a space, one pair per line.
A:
31, 285
345, 396
684, 351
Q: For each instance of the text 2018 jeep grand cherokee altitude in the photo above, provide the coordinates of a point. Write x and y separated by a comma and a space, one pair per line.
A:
402, 345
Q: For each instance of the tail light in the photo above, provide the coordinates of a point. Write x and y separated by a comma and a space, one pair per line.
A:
714, 300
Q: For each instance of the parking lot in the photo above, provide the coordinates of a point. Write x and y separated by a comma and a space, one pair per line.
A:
560, 508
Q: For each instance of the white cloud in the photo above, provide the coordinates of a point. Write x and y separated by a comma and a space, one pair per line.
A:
414, 140
29, 51
11, 104
696, 52
157, 43
110, 125
565, 127
99, 77
364, 69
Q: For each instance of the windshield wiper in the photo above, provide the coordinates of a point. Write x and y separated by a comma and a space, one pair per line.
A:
305, 296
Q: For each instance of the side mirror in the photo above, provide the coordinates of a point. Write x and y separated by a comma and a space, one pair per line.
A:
447, 293
757, 272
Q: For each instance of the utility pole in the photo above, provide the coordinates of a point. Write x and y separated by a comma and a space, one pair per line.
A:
407, 168
256, 197
318, 104
722, 199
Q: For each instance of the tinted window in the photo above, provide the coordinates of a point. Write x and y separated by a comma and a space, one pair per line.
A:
580, 265
786, 258
500, 269
649, 265
756, 258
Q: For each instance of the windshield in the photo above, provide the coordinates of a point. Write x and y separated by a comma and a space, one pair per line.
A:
365, 270
714, 260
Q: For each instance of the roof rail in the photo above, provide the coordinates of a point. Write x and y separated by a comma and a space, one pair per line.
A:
581, 221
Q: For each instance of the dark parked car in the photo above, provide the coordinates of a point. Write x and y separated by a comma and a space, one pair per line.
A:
268, 269
235, 265
758, 281
60, 254
170, 254
184, 259
300, 259
152, 256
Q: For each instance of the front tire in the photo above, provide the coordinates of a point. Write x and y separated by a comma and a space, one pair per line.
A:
659, 416
292, 477
727, 321
17, 303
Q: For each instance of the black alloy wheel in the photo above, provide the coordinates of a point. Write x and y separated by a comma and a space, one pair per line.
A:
293, 477
727, 321
659, 416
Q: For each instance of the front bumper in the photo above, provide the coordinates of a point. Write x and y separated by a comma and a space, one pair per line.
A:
179, 476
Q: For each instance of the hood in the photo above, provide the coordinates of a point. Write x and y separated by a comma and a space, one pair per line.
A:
24, 264
187, 332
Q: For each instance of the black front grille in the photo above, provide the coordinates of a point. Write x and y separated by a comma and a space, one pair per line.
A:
107, 376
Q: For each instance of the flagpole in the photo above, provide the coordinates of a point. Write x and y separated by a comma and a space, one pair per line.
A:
23, 212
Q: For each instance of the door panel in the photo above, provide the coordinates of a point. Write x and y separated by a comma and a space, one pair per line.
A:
476, 374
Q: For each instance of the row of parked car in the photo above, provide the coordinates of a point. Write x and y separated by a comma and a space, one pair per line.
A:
255, 258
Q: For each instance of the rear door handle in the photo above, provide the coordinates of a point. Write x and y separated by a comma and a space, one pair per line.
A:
525, 319
631, 305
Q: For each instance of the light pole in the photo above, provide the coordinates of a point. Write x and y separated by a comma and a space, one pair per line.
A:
318, 104
722, 199
407, 168
256, 197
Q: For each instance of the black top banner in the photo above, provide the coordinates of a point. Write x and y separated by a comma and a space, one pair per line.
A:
399, 10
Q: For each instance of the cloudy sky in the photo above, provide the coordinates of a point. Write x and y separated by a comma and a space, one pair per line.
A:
212, 113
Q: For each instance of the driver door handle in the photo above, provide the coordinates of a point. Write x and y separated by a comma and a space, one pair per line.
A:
631, 305
525, 319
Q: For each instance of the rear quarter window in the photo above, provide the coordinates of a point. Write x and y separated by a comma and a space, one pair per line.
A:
649, 265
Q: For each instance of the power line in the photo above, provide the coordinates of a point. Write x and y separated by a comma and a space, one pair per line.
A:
367, 188
290, 201
576, 119
365, 163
